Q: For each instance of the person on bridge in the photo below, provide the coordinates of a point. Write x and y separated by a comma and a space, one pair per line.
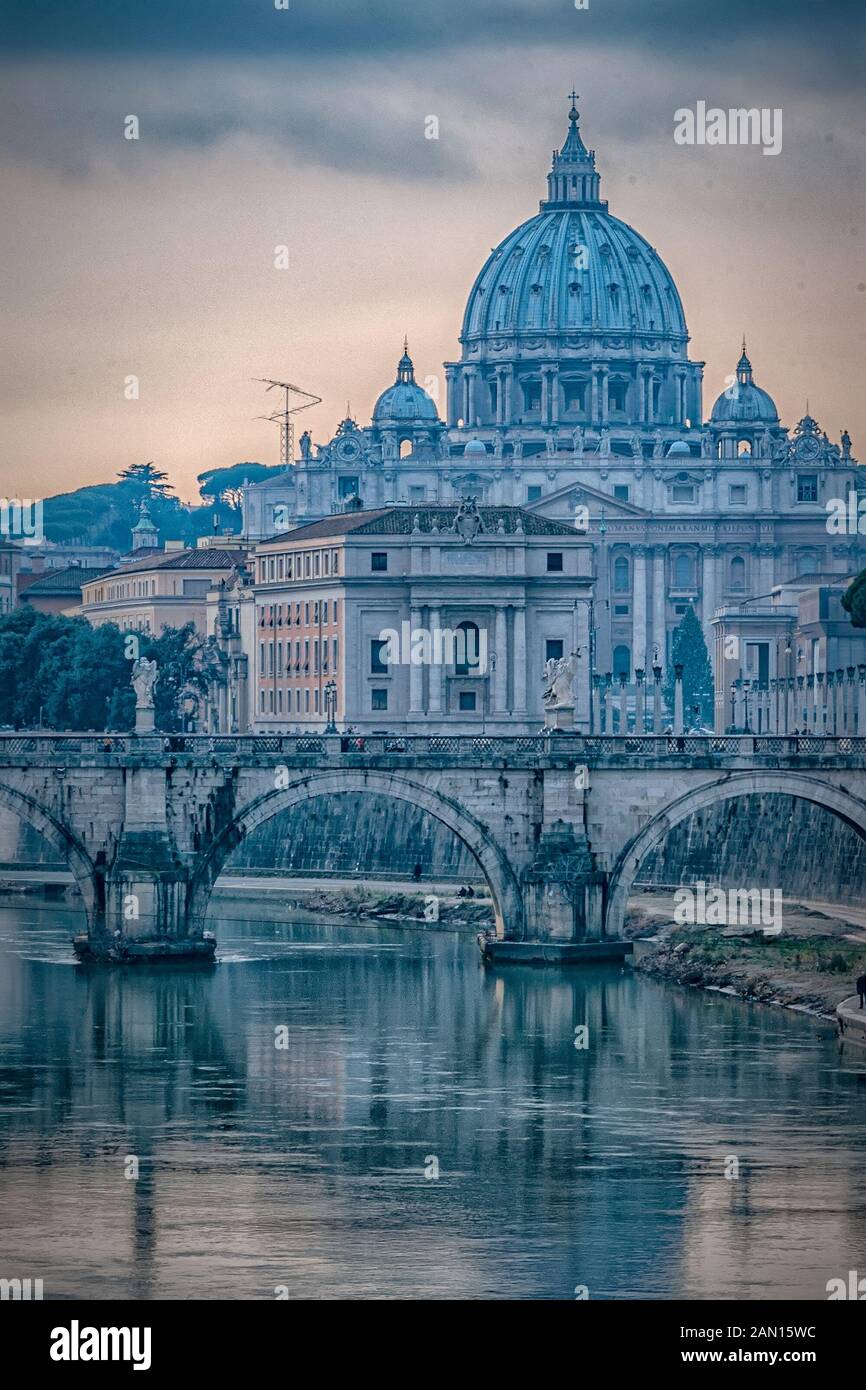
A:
861, 988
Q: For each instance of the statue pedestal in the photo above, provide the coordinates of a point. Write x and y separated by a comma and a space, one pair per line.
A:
562, 717
145, 719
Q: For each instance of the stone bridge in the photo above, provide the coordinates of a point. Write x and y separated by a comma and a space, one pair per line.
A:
559, 823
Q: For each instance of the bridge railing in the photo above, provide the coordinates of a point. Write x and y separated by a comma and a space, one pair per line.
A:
52, 745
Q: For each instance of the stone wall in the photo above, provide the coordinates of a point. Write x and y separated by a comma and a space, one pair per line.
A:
355, 833
766, 840
21, 844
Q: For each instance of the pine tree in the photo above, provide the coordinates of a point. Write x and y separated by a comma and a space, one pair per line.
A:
689, 650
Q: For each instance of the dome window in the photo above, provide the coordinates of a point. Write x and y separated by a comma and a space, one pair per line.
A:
503, 289
574, 287
536, 289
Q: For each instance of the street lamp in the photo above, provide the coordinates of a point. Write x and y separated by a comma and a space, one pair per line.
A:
330, 696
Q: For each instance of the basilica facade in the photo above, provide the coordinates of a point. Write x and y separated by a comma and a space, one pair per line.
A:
575, 397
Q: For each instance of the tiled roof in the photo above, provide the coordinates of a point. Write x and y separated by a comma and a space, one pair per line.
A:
64, 581
400, 521
206, 558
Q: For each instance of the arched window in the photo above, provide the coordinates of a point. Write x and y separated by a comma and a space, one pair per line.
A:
621, 662
620, 575
684, 572
737, 576
405, 448
806, 562
467, 650
744, 448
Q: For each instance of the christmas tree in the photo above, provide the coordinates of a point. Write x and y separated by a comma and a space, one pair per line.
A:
689, 650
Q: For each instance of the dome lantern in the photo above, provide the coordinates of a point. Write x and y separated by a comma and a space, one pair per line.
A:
573, 181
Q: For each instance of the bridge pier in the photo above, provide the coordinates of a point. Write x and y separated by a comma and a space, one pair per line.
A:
145, 916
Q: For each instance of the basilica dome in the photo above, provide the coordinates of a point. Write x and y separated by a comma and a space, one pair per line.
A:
574, 268
743, 402
405, 402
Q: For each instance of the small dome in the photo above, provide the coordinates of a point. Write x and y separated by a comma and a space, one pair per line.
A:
405, 402
679, 447
474, 449
743, 402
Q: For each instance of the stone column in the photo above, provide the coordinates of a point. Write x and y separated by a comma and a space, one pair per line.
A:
850, 702
773, 708
639, 617
500, 678
471, 403
554, 395
452, 385
594, 397
708, 591
678, 700
605, 406
416, 673
545, 397
436, 672
639, 697
509, 395
657, 700
519, 661
659, 602
623, 705
820, 716
608, 703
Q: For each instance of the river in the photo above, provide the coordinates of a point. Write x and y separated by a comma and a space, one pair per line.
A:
308, 1169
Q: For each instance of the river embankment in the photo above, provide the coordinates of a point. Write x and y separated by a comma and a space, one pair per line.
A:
810, 966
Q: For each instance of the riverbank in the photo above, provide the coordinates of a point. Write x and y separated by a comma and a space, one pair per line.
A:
810, 967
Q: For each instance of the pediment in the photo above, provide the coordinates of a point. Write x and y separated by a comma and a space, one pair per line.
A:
565, 499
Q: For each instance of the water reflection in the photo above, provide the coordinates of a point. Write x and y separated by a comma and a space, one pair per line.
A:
305, 1166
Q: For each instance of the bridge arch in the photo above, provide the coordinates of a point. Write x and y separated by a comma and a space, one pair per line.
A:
501, 879
56, 833
841, 803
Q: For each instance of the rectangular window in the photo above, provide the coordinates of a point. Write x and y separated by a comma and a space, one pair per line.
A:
306, 615
417, 494
554, 561
347, 487
378, 662
533, 492
262, 701
334, 664
334, 563
335, 612
620, 491
807, 487
737, 495
466, 699
316, 563
315, 614
307, 655
316, 657
325, 612
326, 562
379, 699
532, 395
306, 702
683, 492
261, 658
553, 649
621, 610
316, 700
379, 561
279, 701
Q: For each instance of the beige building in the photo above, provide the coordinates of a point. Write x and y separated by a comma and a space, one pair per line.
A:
790, 661
167, 588
435, 619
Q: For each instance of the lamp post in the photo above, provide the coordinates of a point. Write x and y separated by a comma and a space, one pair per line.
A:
330, 696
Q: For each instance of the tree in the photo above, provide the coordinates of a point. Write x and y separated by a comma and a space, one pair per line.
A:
854, 600
57, 671
225, 484
147, 479
689, 650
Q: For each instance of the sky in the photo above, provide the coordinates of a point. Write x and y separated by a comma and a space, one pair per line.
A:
304, 127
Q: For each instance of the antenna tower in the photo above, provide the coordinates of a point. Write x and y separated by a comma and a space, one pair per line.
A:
284, 417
